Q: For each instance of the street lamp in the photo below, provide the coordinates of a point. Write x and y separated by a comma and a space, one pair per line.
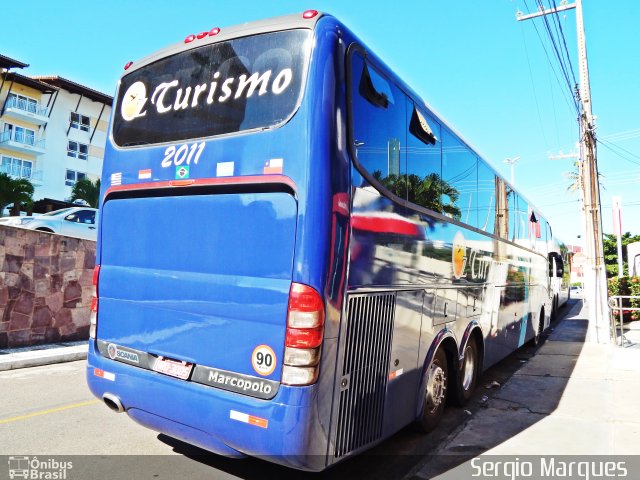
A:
512, 161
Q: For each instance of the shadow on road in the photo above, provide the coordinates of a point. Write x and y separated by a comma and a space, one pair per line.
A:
408, 452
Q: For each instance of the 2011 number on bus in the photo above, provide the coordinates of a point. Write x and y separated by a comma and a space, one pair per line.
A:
182, 154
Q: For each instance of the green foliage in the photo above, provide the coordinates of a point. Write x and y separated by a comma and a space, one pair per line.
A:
626, 286
611, 252
88, 191
16, 192
428, 192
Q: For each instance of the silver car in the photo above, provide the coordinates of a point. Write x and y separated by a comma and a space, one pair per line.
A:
79, 222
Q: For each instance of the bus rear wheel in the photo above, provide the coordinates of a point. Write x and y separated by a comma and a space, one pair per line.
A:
538, 338
435, 393
468, 375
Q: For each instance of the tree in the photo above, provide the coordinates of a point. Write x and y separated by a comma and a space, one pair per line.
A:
427, 192
610, 244
575, 176
86, 190
14, 191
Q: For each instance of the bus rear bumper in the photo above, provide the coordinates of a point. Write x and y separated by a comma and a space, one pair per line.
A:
222, 422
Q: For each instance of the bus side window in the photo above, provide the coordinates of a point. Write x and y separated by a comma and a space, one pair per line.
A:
379, 126
460, 180
424, 168
512, 208
486, 198
524, 226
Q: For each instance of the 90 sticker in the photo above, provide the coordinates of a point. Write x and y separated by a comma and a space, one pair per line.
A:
263, 360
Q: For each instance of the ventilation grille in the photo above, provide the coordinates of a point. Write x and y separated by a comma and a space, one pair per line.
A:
364, 377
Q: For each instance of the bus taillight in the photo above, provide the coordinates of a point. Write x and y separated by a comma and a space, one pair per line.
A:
93, 318
305, 329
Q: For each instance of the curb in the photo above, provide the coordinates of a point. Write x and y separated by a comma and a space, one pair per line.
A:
36, 358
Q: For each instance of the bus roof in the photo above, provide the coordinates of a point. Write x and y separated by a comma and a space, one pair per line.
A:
293, 21
286, 22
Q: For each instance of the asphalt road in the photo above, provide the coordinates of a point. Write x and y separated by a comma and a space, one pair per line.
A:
49, 412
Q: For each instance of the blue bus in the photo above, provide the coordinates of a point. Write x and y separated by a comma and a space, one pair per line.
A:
297, 257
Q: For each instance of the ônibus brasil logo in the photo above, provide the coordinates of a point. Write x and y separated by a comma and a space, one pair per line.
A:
34, 468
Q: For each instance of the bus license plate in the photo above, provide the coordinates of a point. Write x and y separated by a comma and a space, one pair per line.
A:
174, 368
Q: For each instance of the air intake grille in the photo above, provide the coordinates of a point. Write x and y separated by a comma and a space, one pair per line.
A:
365, 370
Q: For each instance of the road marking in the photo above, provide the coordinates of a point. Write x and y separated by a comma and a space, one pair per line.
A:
50, 410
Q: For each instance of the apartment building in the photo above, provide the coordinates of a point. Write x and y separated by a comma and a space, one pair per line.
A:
52, 131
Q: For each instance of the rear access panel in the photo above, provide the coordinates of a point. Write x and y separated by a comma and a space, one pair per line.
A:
202, 279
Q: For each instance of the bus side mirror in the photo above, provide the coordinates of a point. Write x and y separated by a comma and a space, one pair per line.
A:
556, 265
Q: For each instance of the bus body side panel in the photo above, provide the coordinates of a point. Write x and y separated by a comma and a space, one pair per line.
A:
406, 280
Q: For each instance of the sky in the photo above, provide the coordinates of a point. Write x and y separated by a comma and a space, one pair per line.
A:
496, 80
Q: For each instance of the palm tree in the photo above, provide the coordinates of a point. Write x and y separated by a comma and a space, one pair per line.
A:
86, 190
427, 192
575, 177
14, 191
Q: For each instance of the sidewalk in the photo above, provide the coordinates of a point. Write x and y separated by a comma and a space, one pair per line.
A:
42, 355
571, 398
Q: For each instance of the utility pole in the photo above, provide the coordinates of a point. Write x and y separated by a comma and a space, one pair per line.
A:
595, 274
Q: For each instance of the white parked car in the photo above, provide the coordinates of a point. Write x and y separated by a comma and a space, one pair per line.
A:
79, 222
576, 291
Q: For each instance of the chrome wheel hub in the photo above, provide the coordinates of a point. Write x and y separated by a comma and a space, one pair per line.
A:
469, 368
436, 387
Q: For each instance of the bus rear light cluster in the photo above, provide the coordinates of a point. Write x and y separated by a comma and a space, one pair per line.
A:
305, 330
93, 317
126, 67
211, 33
309, 14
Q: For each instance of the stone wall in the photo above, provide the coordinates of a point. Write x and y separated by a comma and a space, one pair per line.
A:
45, 287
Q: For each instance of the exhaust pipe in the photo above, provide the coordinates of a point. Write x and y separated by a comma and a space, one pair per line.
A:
113, 402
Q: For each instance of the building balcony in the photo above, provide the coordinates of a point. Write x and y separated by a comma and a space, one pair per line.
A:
17, 171
21, 109
22, 142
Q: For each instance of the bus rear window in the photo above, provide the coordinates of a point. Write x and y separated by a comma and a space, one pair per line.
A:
241, 84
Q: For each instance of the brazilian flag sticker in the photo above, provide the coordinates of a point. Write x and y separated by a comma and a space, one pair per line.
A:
182, 172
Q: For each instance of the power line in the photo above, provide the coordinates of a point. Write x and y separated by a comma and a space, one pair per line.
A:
608, 145
533, 86
564, 39
556, 50
624, 135
573, 105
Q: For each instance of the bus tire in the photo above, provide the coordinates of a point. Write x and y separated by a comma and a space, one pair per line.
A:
554, 309
468, 374
435, 393
539, 335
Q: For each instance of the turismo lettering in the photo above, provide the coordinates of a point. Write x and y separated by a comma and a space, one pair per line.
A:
171, 96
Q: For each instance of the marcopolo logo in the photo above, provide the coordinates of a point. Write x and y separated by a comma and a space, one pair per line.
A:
34, 468
239, 383
235, 382
116, 353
